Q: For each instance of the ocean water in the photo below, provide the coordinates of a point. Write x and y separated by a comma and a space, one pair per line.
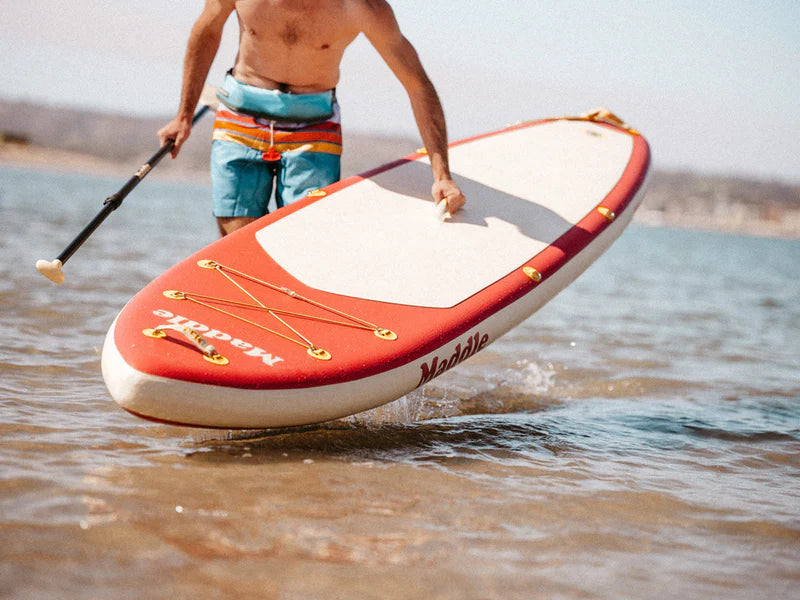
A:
639, 437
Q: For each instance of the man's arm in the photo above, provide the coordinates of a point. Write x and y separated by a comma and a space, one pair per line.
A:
200, 52
381, 29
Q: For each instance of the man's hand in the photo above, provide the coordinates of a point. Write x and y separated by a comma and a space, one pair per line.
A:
177, 130
446, 190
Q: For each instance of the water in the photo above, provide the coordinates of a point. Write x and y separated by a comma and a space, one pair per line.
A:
639, 437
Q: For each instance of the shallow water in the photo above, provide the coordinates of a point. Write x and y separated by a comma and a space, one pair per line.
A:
638, 437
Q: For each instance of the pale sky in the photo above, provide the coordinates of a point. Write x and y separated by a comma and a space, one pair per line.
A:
714, 86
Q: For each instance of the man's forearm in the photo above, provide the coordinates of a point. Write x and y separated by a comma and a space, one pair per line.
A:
431, 123
200, 52
430, 120
382, 30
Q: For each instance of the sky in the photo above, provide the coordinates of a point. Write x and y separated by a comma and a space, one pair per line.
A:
713, 86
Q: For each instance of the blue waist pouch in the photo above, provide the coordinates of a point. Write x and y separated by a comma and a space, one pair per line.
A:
275, 104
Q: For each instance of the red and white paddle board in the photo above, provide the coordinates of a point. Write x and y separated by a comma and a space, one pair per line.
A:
358, 294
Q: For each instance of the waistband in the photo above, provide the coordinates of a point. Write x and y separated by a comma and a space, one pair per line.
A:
275, 104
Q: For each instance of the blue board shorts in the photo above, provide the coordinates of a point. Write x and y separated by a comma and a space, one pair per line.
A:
265, 139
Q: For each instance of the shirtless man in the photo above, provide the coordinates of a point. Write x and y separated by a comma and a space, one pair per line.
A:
278, 116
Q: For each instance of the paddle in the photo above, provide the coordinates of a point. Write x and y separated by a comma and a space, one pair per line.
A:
52, 268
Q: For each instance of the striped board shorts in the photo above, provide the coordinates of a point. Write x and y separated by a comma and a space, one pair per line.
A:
254, 156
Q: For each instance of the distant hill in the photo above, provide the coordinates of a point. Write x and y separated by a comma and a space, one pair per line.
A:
85, 140
728, 203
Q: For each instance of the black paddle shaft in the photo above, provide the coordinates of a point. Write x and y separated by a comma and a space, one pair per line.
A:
113, 202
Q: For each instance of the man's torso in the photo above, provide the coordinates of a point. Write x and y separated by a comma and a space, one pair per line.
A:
294, 45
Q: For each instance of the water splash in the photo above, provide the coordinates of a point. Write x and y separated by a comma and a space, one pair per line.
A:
479, 387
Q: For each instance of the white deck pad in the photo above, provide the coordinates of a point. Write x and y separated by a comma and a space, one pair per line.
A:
380, 239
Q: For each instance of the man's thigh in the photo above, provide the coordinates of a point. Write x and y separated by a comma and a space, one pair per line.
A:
241, 180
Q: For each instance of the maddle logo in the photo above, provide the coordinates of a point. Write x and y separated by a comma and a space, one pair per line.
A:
438, 366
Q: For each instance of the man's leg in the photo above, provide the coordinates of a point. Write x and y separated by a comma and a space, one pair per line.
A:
228, 225
303, 171
241, 185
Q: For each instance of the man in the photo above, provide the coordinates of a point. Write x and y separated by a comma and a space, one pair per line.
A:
279, 116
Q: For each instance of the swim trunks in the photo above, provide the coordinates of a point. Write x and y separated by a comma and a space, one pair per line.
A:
265, 139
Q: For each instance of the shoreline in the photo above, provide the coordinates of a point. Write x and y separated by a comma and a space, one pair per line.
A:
753, 227
656, 211
23, 157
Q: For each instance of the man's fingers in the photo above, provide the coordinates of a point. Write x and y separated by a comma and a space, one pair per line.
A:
454, 202
177, 142
174, 132
448, 191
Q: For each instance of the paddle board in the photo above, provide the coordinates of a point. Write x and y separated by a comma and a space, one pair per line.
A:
358, 294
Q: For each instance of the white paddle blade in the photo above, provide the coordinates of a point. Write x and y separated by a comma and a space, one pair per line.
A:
443, 211
51, 269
